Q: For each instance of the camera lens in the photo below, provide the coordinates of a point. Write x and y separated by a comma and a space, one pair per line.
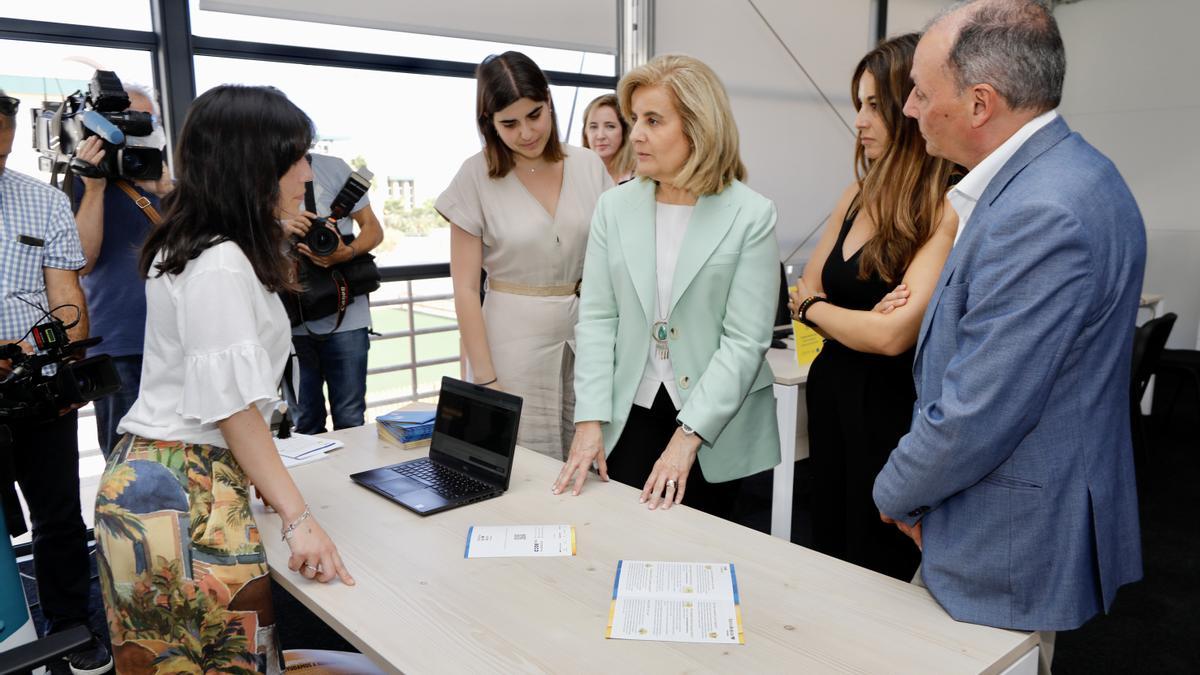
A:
321, 240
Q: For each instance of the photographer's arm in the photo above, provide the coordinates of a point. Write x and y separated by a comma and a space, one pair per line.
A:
62, 288
370, 232
89, 216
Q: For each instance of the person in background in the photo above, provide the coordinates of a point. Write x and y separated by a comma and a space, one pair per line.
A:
1017, 477
674, 392
606, 133
892, 225
178, 547
332, 354
39, 258
520, 210
113, 224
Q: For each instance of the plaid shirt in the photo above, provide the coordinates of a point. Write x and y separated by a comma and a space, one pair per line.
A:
36, 230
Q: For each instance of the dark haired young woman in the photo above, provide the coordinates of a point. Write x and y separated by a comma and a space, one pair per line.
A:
891, 226
520, 210
182, 567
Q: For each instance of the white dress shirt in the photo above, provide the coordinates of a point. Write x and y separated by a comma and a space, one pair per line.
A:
216, 342
966, 194
670, 225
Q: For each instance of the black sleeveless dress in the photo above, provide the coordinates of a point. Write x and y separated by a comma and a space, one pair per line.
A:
859, 405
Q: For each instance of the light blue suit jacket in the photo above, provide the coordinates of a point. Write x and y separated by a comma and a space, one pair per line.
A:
723, 302
1019, 461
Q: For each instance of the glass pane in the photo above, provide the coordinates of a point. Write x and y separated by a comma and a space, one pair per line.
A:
37, 71
131, 14
211, 23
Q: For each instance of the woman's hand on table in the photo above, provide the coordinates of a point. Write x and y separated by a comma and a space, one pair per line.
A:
668, 478
314, 554
586, 447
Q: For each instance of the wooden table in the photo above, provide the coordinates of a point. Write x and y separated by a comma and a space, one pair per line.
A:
420, 607
792, 410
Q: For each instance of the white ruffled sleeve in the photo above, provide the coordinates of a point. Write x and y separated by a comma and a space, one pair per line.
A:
226, 366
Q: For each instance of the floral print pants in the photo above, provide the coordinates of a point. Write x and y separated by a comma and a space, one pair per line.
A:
182, 569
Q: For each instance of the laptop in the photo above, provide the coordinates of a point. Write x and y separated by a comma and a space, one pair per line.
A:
470, 453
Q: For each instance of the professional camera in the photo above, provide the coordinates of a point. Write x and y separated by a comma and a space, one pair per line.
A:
26, 394
133, 144
323, 237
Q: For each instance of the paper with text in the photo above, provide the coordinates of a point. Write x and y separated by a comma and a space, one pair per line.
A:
675, 602
300, 449
519, 541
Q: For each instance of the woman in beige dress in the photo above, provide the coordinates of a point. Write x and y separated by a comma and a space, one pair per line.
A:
520, 210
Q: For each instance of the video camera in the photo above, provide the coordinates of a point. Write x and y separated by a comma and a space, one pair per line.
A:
133, 144
26, 394
322, 238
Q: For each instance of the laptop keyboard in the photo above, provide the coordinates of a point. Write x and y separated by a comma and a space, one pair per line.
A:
446, 482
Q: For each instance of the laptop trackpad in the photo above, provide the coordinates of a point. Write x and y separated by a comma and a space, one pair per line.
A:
424, 501
399, 485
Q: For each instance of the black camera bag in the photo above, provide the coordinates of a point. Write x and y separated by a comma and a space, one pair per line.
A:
329, 290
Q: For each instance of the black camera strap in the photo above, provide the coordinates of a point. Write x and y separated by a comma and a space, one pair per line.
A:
310, 198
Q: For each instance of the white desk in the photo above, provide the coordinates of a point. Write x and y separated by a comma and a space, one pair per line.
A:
792, 411
420, 607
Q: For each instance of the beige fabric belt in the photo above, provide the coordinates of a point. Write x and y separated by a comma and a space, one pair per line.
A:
537, 291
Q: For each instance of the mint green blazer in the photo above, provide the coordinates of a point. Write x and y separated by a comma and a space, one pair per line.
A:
723, 304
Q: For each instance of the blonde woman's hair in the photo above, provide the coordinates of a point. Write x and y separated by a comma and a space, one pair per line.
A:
624, 158
703, 105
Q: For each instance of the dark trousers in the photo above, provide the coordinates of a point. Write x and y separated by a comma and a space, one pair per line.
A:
111, 408
642, 442
45, 461
339, 361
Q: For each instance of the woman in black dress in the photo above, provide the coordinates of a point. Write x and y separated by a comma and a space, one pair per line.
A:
891, 226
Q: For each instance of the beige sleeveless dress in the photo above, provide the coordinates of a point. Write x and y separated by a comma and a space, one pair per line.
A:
532, 338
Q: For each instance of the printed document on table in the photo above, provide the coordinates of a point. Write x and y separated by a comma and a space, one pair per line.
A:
300, 449
519, 541
676, 602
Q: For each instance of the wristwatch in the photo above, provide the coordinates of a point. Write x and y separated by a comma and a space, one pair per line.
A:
687, 431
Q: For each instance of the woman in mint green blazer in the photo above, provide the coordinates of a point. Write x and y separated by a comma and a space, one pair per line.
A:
673, 394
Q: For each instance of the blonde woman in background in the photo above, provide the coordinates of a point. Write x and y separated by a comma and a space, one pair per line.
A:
606, 133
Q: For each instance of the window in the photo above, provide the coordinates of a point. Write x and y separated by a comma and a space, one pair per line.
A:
128, 14
209, 23
36, 71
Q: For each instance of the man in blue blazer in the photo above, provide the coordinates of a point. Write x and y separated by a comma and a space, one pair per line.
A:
1017, 475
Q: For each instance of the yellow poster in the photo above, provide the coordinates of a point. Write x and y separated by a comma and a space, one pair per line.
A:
808, 343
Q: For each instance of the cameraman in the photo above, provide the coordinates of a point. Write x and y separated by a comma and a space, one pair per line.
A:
39, 256
112, 227
338, 360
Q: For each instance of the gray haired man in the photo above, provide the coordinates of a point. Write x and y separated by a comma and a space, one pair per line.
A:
1016, 477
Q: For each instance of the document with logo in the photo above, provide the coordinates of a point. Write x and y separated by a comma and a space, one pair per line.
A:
520, 541
675, 602
301, 449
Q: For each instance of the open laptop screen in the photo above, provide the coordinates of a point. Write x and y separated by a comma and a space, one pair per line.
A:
476, 425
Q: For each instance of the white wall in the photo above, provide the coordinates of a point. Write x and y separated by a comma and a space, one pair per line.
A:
1133, 91
910, 16
795, 148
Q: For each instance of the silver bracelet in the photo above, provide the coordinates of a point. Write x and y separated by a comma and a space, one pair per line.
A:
290, 530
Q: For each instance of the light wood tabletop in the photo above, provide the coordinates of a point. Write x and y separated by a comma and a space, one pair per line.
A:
420, 607
785, 368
